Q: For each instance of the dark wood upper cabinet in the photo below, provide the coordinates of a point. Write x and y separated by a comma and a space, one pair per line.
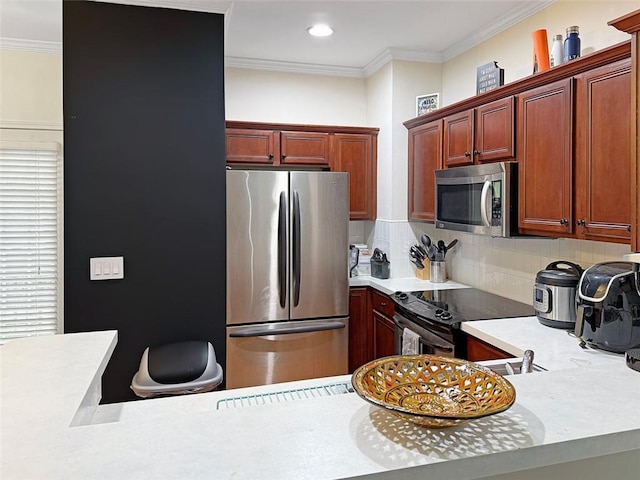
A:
356, 153
458, 139
603, 153
425, 157
630, 24
494, 131
246, 146
319, 147
304, 148
480, 135
544, 145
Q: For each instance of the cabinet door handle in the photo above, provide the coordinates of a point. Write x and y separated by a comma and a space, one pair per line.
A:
271, 156
283, 156
564, 221
383, 304
581, 223
467, 154
477, 152
629, 228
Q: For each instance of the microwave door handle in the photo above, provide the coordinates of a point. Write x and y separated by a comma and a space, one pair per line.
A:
485, 202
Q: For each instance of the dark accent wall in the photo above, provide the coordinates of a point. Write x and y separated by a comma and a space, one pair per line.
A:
144, 175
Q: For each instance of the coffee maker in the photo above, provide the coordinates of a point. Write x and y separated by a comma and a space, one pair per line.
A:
608, 307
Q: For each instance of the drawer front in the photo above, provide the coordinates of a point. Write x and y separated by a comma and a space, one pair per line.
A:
382, 303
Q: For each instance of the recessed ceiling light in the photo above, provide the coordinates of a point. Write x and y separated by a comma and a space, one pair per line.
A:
320, 30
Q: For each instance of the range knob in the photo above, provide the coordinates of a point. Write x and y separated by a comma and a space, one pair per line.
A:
446, 315
400, 295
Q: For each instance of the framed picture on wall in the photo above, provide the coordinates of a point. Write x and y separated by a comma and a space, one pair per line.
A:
427, 103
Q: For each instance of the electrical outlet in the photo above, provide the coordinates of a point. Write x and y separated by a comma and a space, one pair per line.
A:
106, 268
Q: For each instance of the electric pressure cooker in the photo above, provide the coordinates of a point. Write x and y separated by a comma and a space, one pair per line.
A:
608, 307
554, 294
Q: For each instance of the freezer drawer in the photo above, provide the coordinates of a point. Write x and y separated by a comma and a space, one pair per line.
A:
267, 353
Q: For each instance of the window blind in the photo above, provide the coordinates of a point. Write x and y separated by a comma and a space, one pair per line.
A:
30, 205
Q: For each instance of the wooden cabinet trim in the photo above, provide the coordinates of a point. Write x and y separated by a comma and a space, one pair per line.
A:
298, 127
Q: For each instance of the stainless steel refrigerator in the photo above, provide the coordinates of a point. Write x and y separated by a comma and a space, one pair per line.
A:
287, 278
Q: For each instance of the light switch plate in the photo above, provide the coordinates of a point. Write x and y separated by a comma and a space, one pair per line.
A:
106, 268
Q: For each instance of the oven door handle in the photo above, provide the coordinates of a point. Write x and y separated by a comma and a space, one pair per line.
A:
426, 337
485, 202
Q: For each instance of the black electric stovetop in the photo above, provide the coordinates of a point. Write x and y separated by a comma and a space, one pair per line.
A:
453, 306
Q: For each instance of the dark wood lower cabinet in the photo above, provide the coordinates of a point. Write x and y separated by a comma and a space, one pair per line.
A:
478, 351
383, 334
371, 329
360, 328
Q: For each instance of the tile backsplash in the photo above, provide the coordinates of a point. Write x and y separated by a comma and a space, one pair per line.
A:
505, 266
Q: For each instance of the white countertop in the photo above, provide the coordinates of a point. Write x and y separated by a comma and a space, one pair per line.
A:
406, 284
52, 427
553, 348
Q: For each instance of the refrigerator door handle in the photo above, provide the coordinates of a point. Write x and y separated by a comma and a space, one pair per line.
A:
282, 250
285, 330
296, 248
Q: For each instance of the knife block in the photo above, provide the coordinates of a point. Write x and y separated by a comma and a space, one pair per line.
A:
424, 273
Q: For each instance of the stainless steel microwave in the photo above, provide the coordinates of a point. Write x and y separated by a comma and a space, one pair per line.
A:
479, 199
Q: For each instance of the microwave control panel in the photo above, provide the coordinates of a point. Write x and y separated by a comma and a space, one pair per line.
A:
496, 207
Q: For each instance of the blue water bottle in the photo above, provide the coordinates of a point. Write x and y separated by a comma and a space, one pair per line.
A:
572, 44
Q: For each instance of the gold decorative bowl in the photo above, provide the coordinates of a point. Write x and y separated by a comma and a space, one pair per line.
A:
433, 391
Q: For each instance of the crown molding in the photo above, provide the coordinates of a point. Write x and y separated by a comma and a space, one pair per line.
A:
399, 54
293, 67
30, 45
499, 25
210, 6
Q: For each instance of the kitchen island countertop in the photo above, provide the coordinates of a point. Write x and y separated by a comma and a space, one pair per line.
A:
53, 428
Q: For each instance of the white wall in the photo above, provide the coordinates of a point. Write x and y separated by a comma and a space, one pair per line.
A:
513, 48
30, 89
268, 96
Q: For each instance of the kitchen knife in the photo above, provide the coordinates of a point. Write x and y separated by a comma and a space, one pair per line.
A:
417, 253
422, 250
416, 263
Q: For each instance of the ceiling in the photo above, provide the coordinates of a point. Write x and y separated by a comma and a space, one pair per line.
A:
272, 34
